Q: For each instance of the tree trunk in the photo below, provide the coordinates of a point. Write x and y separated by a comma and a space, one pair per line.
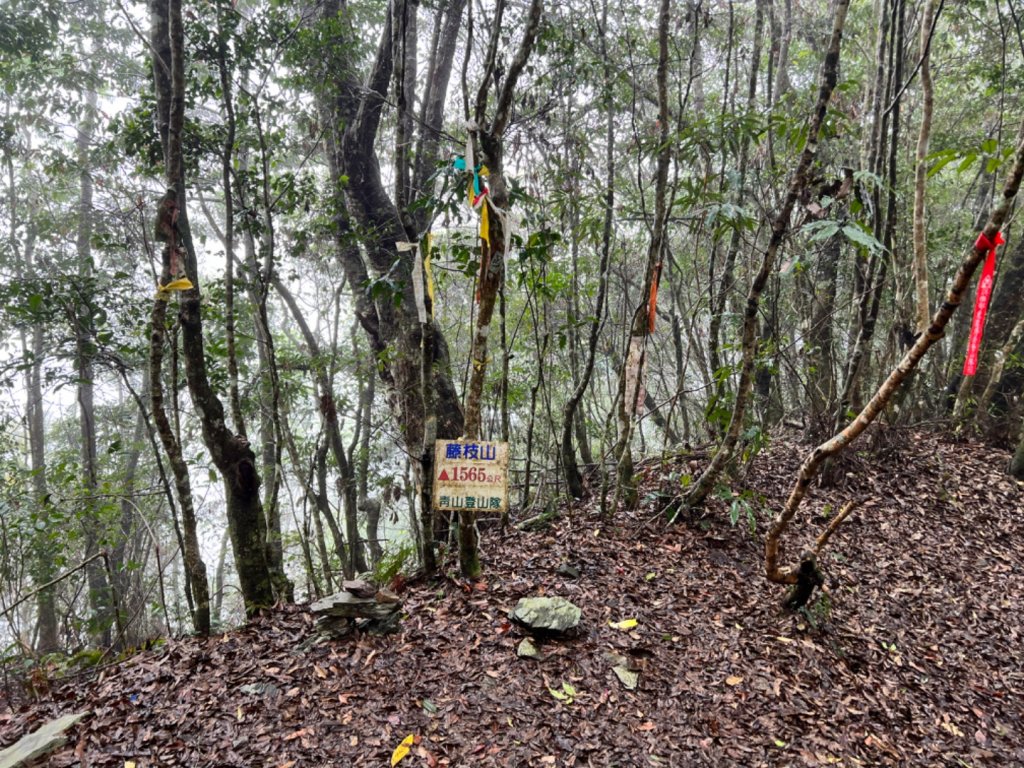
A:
85, 352
1017, 464
351, 111
780, 226
42, 564
921, 172
570, 468
197, 589
631, 373
230, 452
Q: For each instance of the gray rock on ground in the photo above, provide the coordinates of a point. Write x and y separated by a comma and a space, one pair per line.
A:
546, 614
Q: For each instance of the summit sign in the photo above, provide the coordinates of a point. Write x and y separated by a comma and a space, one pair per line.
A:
471, 476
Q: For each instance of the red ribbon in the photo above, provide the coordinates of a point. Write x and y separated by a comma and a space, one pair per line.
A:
981, 300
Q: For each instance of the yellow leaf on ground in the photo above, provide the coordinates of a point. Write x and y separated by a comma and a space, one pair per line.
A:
733, 680
402, 750
624, 624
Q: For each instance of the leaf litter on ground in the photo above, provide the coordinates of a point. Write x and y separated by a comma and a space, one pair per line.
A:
917, 658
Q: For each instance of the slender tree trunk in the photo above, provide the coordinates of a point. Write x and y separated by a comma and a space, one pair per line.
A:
230, 452
720, 299
494, 210
1017, 464
85, 351
921, 172
123, 582
42, 563
573, 478
369, 506
780, 226
642, 324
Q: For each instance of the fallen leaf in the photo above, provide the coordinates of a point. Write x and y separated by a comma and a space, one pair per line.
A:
733, 680
624, 624
951, 728
402, 750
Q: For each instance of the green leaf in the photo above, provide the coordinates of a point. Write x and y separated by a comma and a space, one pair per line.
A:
967, 162
857, 235
820, 231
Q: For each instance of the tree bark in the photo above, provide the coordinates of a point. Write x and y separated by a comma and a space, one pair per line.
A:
42, 564
921, 171
350, 111
631, 372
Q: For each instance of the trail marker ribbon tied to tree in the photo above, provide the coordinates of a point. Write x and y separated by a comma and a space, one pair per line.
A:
981, 300
163, 292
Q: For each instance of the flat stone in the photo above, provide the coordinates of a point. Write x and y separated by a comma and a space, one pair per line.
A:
549, 614
260, 689
567, 570
40, 742
527, 650
627, 677
348, 606
359, 588
387, 596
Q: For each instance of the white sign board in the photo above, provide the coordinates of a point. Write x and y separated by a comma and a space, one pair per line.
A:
470, 475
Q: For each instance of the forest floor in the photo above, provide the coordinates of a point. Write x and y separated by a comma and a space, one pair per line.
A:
918, 660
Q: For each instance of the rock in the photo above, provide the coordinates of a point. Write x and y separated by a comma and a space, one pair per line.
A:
548, 614
340, 613
627, 677
260, 689
527, 650
359, 588
569, 571
346, 605
39, 743
386, 596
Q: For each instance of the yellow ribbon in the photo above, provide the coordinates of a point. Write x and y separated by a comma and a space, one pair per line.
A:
485, 224
428, 272
163, 292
